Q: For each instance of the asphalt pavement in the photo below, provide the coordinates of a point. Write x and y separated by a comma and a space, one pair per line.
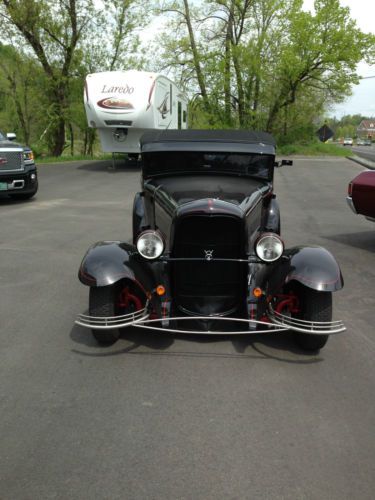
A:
162, 417
367, 152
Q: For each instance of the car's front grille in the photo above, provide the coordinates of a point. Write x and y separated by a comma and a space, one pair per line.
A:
208, 287
11, 160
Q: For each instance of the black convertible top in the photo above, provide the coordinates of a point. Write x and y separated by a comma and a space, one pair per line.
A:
244, 141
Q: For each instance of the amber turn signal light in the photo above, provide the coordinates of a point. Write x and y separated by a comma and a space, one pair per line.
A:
160, 290
257, 292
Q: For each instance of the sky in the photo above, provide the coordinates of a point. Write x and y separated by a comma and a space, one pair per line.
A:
362, 100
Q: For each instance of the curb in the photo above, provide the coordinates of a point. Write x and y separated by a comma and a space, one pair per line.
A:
362, 161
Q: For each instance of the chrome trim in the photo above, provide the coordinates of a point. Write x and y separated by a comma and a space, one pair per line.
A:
279, 323
110, 322
22, 163
250, 322
351, 204
141, 320
303, 326
17, 184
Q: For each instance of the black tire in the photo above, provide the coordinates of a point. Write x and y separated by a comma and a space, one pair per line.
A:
133, 156
102, 302
315, 306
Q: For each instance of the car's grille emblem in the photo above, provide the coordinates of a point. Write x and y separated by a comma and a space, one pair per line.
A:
3, 161
208, 254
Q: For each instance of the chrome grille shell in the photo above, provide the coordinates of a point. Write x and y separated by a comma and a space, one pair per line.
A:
11, 160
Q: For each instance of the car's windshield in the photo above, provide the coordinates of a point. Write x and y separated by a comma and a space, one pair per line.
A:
178, 162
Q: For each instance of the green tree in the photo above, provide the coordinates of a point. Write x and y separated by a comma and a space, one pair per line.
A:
263, 63
68, 38
319, 52
21, 84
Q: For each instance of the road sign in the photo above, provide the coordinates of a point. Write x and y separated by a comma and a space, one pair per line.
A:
324, 133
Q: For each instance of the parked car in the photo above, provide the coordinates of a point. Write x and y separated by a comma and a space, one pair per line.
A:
361, 194
207, 256
360, 142
367, 142
18, 173
348, 141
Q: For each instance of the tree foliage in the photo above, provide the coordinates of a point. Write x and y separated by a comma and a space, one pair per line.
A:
263, 63
69, 38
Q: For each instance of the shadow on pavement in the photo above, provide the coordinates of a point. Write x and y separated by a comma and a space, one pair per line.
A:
260, 346
7, 200
106, 165
364, 240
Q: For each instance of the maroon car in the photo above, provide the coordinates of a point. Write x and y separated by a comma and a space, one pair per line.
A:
361, 194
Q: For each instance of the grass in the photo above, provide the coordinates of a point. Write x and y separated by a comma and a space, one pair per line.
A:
68, 158
314, 149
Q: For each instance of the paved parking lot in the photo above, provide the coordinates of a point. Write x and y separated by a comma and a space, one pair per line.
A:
160, 417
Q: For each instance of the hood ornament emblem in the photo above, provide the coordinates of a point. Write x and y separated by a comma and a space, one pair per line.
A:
208, 254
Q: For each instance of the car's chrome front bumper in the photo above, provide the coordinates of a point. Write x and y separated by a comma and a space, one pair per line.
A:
351, 204
277, 323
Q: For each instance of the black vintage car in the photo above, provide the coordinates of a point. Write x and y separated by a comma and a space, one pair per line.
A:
18, 174
206, 255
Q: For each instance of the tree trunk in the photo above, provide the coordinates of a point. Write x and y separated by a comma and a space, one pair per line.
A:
58, 137
85, 139
196, 59
227, 75
240, 90
71, 133
271, 116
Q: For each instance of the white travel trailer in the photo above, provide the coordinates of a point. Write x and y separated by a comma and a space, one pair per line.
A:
124, 104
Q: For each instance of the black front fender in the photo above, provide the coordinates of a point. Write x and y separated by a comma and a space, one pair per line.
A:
314, 267
108, 262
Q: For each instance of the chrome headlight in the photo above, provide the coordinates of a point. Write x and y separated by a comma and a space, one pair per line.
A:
269, 247
150, 244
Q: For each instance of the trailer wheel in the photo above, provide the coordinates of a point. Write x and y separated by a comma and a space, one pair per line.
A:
102, 302
315, 306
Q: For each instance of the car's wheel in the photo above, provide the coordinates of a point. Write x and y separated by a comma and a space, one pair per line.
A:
315, 306
102, 302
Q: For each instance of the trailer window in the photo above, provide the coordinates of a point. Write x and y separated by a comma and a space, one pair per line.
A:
184, 116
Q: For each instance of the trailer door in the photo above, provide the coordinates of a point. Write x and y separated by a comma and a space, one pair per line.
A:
162, 104
179, 115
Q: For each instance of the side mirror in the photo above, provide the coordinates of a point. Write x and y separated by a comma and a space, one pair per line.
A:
11, 136
286, 162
